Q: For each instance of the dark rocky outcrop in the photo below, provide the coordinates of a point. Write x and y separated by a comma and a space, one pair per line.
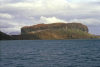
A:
4, 36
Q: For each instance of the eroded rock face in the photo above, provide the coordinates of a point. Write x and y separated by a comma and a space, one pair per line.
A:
77, 26
40, 27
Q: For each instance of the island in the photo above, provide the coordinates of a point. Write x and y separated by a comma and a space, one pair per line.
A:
54, 31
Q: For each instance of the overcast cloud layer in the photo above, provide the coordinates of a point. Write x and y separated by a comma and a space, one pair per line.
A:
15, 14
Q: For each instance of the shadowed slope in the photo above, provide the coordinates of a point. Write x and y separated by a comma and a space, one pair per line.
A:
4, 36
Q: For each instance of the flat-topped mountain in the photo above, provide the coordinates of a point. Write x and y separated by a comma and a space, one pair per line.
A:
40, 27
56, 31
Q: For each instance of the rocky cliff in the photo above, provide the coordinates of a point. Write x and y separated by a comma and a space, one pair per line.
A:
41, 27
56, 31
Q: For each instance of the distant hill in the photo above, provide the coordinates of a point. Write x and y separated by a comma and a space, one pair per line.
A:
56, 31
98, 36
4, 36
40, 27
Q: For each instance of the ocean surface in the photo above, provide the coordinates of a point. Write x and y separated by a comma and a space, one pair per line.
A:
50, 53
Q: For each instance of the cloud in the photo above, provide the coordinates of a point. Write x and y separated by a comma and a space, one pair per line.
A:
10, 31
88, 21
11, 24
84, 0
39, 7
10, 27
49, 7
6, 16
48, 20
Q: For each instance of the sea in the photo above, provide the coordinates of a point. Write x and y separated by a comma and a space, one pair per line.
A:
50, 53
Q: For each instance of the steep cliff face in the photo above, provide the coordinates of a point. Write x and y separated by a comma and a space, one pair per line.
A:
78, 26
41, 27
56, 31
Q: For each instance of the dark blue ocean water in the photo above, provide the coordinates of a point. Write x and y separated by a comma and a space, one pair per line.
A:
50, 53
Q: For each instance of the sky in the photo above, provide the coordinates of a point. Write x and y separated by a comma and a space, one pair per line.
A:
15, 14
